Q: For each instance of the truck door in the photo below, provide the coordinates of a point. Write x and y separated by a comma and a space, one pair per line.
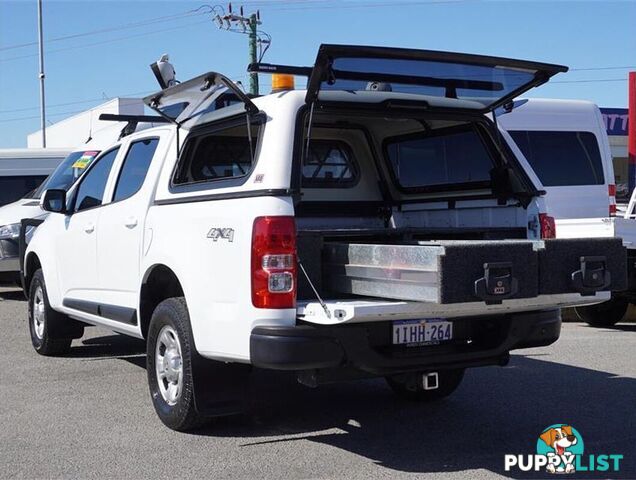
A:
121, 223
77, 255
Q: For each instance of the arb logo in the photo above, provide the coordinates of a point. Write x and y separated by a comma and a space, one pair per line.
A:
560, 449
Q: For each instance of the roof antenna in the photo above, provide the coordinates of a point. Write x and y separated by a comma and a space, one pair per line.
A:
90, 127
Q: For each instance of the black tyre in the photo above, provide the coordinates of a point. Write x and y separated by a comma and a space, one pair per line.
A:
603, 314
170, 350
410, 386
51, 332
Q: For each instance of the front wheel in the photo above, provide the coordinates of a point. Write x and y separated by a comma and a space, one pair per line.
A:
51, 332
169, 365
604, 314
412, 386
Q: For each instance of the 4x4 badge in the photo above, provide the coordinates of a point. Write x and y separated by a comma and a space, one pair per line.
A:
223, 233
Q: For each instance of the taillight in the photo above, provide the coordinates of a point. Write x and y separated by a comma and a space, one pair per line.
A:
611, 191
548, 227
274, 262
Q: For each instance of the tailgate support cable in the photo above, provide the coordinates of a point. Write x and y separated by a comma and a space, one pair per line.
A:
311, 121
320, 300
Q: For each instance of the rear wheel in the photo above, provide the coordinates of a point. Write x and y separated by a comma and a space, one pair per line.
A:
603, 314
411, 386
169, 365
51, 332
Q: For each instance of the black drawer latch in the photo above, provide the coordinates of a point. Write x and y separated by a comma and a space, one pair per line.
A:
592, 277
497, 283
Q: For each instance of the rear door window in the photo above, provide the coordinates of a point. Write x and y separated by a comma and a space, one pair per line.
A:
442, 159
133, 171
330, 164
562, 158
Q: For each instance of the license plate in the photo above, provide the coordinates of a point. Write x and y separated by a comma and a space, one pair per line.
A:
429, 331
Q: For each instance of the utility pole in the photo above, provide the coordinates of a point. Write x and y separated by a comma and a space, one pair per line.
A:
253, 59
259, 41
41, 76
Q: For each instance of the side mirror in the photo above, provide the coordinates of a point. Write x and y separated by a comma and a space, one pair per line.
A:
54, 201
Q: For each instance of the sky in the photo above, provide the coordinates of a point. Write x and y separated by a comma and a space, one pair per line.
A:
107, 46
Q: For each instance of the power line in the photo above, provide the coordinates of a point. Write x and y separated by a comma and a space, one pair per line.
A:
601, 68
77, 102
107, 30
104, 42
590, 80
369, 5
150, 21
37, 116
247, 25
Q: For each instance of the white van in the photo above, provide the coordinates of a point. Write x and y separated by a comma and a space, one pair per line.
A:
566, 144
22, 170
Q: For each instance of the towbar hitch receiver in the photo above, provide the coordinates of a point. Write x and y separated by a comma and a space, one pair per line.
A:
430, 381
497, 283
592, 277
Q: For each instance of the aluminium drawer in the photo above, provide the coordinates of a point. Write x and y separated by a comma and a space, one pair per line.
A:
441, 271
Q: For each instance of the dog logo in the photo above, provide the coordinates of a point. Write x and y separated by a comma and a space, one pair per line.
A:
560, 444
559, 449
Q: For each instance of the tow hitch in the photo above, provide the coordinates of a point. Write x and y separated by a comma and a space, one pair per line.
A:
592, 277
430, 381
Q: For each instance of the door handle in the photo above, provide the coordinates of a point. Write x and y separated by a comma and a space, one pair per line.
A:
89, 228
131, 222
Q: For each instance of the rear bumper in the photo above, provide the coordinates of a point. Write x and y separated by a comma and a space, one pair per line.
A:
367, 347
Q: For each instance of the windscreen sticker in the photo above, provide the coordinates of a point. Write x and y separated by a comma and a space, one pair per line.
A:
85, 160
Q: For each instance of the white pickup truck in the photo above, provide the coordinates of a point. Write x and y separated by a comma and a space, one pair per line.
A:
378, 224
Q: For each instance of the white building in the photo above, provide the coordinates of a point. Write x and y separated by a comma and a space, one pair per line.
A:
75, 130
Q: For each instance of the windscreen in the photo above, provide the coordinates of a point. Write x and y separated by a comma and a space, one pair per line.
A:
66, 172
446, 158
562, 158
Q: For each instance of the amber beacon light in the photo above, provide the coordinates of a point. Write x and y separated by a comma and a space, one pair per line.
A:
281, 82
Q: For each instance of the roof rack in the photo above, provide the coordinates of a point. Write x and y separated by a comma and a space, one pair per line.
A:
271, 68
133, 121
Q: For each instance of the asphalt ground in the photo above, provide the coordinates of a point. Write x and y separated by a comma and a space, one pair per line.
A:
89, 415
